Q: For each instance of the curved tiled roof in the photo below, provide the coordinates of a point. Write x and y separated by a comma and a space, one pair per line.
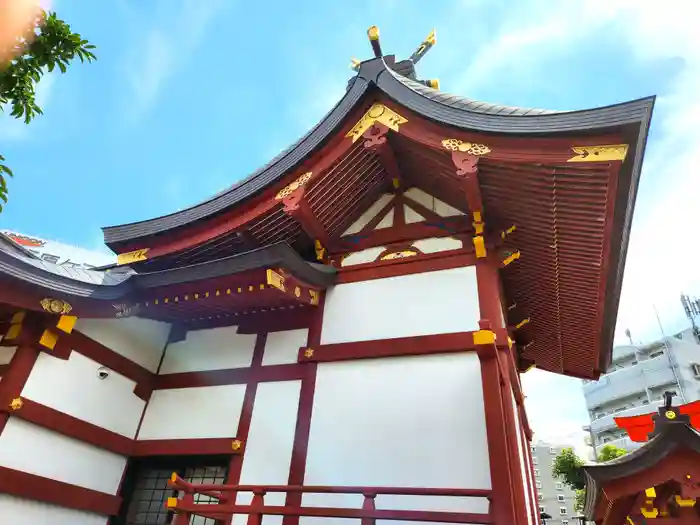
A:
448, 109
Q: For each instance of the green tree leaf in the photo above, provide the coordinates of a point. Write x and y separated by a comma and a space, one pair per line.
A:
50, 45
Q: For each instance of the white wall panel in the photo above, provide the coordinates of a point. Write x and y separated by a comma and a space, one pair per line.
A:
139, 340
367, 216
213, 349
430, 202
268, 452
524, 462
73, 387
428, 303
410, 421
18, 511
282, 348
6, 353
31, 448
438, 244
185, 413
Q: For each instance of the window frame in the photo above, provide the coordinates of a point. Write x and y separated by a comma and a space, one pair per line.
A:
565, 513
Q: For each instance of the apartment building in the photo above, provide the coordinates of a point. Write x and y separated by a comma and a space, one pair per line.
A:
636, 382
555, 497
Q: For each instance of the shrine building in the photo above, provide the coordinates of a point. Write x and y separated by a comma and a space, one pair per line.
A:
657, 484
340, 336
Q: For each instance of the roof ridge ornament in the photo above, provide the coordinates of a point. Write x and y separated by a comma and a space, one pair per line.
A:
406, 67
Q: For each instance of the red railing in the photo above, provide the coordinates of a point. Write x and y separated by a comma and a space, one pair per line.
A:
186, 507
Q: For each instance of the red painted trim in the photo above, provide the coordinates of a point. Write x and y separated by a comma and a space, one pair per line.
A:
418, 264
400, 346
4, 369
73, 427
184, 447
37, 488
531, 479
13, 381
107, 357
231, 376
300, 448
235, 466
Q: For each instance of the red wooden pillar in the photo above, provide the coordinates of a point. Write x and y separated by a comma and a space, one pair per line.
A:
14, 379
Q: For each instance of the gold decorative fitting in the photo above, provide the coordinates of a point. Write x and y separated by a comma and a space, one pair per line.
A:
309, 352
18, 317
465, 147
377, 113
479, 247
66, 323
432, 38
484, 337
398, 255
507, 232
522, 323
251, 288
297, 291
434, 83
236, 444
314, 297
373, 33
512, 257
16, 403
687, 503
530, 367
132, 257
13, 331
294, 186
48, 340
396, 182
599, 153
276, 280
354, 64
320, 250
670, 414
55, 306
172, 503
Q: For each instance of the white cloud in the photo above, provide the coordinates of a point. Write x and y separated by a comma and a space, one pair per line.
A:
663, 249
163, 44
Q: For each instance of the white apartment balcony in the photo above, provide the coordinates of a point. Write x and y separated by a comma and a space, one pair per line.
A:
623, 442
629, 381
607, 422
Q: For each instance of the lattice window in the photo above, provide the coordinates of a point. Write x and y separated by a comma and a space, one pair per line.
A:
147, 490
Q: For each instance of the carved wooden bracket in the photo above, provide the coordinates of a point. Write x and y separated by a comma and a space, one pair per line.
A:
376, 140
297, 206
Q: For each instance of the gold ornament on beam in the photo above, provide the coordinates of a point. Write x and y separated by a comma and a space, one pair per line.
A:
294, 186
599, 153
132, 257
309, 353
276, 280
236, 444
16, 403
466, 147
377, 113
55, 306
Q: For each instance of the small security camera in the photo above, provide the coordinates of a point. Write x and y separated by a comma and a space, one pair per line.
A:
102, 373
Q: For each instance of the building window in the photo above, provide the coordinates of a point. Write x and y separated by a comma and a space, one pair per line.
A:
554, 461
542, 509
538, 484
562, 511
534, 461
564, 522
146, 487
560, 486
552, 450
560, 497
696, 369
537, 473
540, 497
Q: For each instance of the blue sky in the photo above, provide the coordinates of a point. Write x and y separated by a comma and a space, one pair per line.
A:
189, 96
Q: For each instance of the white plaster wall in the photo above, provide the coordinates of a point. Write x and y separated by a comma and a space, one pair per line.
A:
367, 216
18, 511
6, 354
282, 348
430, 202
73, 387
386, 222
438, 244
524, 464
440, 302
212, 349
139, 340
186, 413
268, 452
363, 256
400, 422
31, 448
411, 216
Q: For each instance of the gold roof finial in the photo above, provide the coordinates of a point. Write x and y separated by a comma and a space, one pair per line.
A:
373, 33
